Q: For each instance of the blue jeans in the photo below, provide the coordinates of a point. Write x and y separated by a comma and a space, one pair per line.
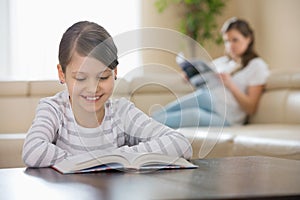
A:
195, 109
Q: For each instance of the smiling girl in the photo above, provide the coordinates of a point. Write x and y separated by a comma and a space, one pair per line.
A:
83, 118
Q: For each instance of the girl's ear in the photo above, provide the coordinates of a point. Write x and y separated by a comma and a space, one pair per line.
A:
61, 74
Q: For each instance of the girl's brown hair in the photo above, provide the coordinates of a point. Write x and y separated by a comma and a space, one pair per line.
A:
87, 39
244, 28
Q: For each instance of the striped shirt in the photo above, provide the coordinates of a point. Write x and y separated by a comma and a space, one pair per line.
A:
54, 134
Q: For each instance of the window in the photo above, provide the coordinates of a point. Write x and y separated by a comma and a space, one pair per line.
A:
36, 27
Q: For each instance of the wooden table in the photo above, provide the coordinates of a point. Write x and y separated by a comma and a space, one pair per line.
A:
226, 178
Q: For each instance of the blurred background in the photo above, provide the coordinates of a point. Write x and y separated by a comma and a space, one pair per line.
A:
31, 30
275, 23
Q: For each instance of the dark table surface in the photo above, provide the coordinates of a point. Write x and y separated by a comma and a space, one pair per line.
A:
225, 178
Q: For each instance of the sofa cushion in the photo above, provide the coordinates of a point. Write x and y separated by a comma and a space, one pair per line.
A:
154, 91
280, 102
11, 150
160, 83
278, 106
122, 87
284, 78
45, 88
268, 140
260, 139
209, 142
17, 113
151, 102
14, 88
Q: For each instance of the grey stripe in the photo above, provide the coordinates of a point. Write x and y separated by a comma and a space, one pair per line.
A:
29, 152
59, 103
186, 141
146, 122
167, 133
42, 156
85, 148
46, 119
78, 134
48, 110
40, 128
131, 106
33, 131
158, 126
162, 146
116, 123
177, 147
122, 109
181, 138
148, 147
31, 140
141, 128
107, 131
69, 131
133, 122
107, 118
68, 119
54, 157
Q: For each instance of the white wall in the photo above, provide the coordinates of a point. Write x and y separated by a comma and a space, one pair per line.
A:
4, 37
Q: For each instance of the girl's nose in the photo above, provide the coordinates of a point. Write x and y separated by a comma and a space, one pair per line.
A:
93, 86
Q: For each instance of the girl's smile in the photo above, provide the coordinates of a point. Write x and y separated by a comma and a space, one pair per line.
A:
91, 98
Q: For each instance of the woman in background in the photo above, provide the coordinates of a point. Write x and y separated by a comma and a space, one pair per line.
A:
243, 74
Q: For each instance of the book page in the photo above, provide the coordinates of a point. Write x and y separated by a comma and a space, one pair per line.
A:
156, 160
90, 159
105, 159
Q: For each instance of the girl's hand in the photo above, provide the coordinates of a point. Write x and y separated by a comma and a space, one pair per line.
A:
184, 77
226, 79
248, 101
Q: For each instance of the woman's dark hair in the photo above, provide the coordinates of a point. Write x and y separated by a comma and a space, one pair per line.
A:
243, 27
87, 39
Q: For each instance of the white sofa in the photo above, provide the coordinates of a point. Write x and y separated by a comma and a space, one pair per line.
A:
273, 131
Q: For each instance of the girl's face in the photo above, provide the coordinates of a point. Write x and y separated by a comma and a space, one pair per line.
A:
90, 84
235, 43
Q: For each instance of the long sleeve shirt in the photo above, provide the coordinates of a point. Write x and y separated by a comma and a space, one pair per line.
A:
54, 134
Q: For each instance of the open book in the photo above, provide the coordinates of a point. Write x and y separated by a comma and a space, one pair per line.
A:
199, 72
90, 162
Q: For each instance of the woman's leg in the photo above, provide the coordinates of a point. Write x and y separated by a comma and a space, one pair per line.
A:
198, 99
190, 117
